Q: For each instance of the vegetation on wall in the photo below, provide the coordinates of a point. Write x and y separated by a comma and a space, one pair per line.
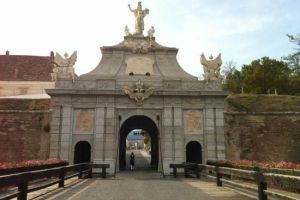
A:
262, 103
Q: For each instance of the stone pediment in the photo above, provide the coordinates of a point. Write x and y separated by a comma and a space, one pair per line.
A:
141, 56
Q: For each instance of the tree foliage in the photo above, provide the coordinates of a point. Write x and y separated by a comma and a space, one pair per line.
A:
261, 76
293, 59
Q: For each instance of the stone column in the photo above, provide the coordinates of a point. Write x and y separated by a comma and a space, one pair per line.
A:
209, 131
220, 133
105, 136
55, 131
179, 146
166, 139
110, 133
98, 137
66, 131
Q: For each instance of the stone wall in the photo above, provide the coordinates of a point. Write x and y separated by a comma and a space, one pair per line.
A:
24, 129
263, 128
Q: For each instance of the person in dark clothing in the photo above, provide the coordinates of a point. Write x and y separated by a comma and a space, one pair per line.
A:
131, 161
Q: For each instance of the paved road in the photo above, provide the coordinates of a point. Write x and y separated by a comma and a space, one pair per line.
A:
142, 185
142, 159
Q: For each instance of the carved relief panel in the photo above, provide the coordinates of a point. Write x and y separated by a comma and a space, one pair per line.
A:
84, 121
193, 122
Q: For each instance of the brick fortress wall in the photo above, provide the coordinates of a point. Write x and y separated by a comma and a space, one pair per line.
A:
24, 129
263, 128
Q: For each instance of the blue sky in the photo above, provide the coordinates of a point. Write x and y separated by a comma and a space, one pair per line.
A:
241, 30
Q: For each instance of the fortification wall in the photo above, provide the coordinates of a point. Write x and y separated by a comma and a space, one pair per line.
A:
263, 128
24, 129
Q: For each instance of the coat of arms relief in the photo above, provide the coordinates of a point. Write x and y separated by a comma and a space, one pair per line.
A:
139, 93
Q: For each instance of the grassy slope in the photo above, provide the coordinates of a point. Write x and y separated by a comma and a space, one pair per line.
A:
263, 103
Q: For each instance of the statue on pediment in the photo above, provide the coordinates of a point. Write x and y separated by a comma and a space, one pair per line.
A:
139, 15
64, 66
127, 32
211, 67
151, 32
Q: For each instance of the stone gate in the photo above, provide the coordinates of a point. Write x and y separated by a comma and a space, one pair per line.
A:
137, 84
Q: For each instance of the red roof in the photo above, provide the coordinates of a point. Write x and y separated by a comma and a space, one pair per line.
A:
25, 68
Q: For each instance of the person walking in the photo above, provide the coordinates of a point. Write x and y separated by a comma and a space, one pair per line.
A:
131, 161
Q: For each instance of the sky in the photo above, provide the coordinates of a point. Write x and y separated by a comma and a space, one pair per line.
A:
241, 30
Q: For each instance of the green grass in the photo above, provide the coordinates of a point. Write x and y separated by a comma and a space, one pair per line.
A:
263, 103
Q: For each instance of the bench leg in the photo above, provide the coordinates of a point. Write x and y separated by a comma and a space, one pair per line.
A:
197, 174
103, 172
175, 172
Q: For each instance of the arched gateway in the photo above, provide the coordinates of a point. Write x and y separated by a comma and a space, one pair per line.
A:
194, 152
139, 122
82, 152
135, 82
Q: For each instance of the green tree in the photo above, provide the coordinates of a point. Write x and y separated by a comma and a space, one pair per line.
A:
261, 76
293, 59
233, 79
264, 75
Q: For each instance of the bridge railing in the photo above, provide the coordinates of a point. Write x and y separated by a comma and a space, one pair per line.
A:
53, 176
249, 180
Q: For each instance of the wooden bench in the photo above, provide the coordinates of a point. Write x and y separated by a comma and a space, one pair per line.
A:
175, 167
103, 167
192, 168
189, 168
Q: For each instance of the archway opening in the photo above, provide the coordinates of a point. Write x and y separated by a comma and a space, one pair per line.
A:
146, 133
82, 152
194, 152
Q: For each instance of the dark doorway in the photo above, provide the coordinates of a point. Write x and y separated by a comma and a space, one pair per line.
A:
144, 123
194, 152
82, 152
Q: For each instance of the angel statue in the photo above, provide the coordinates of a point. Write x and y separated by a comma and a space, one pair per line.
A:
64, 66
151, 32
139, 94
139, 15
211, 67
127, 32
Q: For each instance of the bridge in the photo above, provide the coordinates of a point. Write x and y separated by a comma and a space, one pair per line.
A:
78, 182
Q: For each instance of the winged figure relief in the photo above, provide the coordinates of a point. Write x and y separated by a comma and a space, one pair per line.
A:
139, 94
66, 61
64, 66
211, 67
